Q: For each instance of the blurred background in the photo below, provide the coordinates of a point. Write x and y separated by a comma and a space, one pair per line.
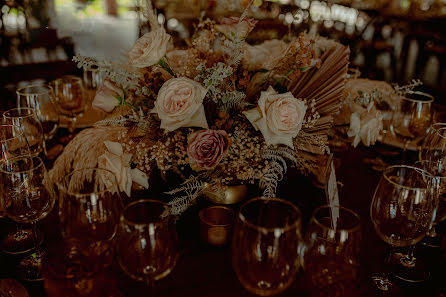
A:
391, 40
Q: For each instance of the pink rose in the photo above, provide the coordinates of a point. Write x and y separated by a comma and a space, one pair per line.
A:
206, 148
180, 104
278, 116
149, 49
108, 96
233, 27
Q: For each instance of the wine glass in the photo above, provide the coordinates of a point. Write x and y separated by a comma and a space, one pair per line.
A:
28, 197
147, 246
27, 120
412, 118
70, 97
266, 245
41, 99
402, 210
13, 144
89, 208
332, 254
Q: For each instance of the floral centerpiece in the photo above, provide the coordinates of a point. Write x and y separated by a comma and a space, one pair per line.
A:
219, 112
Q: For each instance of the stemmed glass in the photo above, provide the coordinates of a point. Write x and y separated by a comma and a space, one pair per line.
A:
147, 244
27, 120
89, 208
13, 144
412, 117
41, 99
402, 210
28, 198
332, 254
70, 97
266, 245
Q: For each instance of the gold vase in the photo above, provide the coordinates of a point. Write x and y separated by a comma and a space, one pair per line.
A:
223, 194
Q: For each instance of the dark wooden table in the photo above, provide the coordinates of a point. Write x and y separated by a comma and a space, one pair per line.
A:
203, 270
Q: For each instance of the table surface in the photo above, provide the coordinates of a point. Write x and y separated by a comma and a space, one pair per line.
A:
203, 270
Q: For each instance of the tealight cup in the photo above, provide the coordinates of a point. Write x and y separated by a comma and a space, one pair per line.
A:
216, 224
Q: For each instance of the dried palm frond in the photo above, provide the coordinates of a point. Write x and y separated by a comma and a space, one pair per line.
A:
325, 84
84, 150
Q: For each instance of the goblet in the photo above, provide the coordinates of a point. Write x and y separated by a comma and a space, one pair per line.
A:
412, 118
89, 208
27, 120
402, 210
266, 245
28, 197
147, 244
332, 254
41, 99
13, 144
70, 97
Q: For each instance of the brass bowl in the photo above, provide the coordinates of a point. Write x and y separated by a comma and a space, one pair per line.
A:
222, 194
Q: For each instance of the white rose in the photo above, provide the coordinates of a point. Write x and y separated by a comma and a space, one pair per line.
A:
149, 49
265, 55
278, 116
180, 104
108, 96
118, 162
366, 126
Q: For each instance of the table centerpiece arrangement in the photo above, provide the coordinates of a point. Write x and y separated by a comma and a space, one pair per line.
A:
218, 113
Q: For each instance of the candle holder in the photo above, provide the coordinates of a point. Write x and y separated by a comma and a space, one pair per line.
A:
216, 225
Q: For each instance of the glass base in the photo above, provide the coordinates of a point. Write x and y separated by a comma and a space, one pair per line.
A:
410, 271
382, 283
433, 242
19, 242
30, 268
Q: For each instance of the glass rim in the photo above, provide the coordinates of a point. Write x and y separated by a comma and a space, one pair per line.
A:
429, 161
357, 226
437, 131
24, 157
63, 189
409, 167
33, 112
206, 221
430, 100
18, 130
151, 201
44, 86
286, 228
67, 77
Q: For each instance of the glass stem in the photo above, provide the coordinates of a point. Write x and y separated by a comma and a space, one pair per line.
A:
149, 284
72, 126
432, 232
36, 240
409, 259
404, 153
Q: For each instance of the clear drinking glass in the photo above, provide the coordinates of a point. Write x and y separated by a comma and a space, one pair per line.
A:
93, 78
266, 245
27, 120
89, 216
333, 241
412, 117
41, 98
147, 248
29, 197
402, 210
432, 239
13, 144
70, 97
431, 141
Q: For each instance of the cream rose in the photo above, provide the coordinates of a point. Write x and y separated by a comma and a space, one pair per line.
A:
180, 104
149, 49
108, 96
232, 26
365, 126
118, 162
278, 116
